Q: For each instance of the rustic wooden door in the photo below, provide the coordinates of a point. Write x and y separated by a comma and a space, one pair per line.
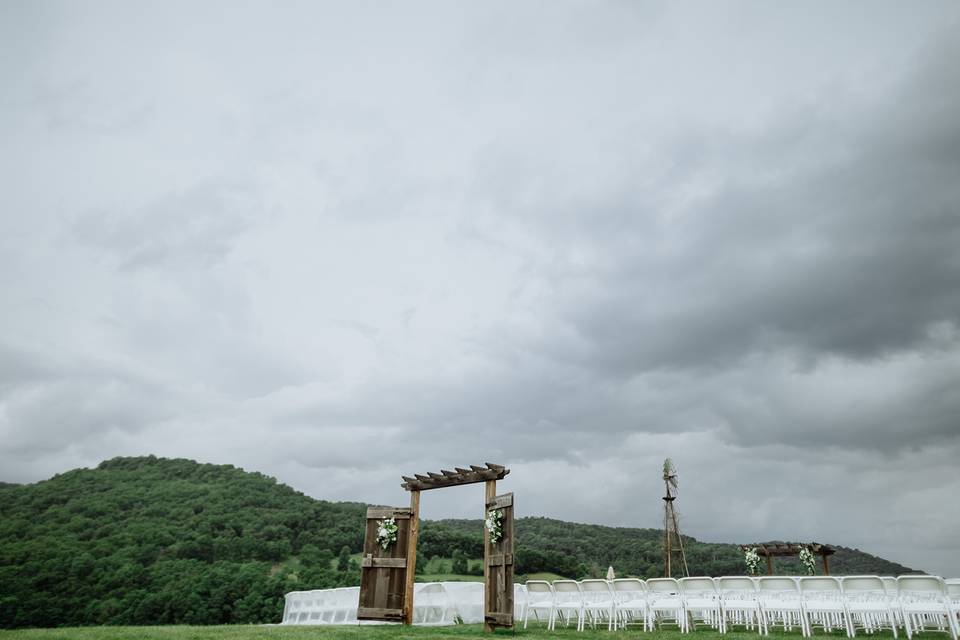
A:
498, 590
384, 571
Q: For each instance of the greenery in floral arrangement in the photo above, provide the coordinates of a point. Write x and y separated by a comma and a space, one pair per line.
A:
494, 524
752, 558
386, 532
806, 559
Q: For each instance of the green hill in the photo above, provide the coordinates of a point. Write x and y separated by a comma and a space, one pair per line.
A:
158, 541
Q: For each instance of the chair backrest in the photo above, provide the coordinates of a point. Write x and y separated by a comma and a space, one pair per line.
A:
819, 584
889, 585
344, 595
921, 587
698, 585
567, 591
539, 591
595, 586
953, 590
628, 589
768, 584
663, 585
596, 590
431, 594
854, 585
519, 593
737, 584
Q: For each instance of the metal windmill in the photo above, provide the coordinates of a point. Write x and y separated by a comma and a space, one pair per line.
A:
672, 541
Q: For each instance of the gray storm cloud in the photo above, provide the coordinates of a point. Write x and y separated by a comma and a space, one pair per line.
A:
574, 239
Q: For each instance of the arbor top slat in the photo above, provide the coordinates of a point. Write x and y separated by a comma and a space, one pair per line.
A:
777, 550
451, 479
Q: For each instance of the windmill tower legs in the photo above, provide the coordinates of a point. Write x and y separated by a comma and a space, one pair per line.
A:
672, 541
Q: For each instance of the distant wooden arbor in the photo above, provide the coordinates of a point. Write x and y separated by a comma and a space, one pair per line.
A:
387, 574
782, 550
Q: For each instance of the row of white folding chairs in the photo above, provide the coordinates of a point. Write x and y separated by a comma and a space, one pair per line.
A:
850, 603
434, 603
432, 606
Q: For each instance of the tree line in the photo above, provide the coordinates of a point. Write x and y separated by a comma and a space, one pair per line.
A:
157, 541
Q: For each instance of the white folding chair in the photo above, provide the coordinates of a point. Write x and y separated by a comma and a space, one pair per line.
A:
890, 586
823, 604
335, 606
598, 603
567, 602
316, 607
923, 603
467, 600
539, 599
519, 600
701, 601
291, 606
781, 604
431, 605
740, 604
351, 602
631, 601
868, 604
953, 596
664, 602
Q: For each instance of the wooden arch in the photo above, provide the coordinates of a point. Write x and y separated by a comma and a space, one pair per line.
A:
383, 572
771, 550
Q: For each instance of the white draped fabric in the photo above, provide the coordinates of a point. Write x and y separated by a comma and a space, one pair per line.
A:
434, 603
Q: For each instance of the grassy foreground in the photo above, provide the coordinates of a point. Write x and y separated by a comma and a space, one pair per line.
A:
387, 632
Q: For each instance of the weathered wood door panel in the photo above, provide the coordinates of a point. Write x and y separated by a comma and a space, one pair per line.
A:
384, 571
499, 556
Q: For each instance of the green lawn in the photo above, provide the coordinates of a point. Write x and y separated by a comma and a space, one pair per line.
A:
386, 632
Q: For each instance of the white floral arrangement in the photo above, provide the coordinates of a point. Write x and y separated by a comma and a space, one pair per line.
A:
494, 524
386, 532
806, 559
752, 558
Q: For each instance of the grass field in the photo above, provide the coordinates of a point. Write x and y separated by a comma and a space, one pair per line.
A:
387, 632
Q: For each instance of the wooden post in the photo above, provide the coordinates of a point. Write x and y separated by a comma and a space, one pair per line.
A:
769, 565
412, 555
489, 494
826, 565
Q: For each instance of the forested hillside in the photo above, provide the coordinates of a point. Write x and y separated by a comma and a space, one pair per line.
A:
578, 550
146, 540
157, 541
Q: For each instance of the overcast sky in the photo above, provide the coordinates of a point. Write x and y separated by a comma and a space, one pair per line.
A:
341, 242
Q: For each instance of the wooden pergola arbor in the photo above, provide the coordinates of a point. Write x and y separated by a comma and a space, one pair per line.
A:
778, 550
387, 575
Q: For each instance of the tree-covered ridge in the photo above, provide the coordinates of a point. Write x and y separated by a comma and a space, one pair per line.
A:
158, 541
148, 540
578, 550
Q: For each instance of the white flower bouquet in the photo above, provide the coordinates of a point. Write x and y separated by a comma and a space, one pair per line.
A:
494, 524
386, 532
806, 559
752, 558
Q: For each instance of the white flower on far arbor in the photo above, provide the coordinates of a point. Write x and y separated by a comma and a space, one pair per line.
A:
386, 532
752, 558
806, 559
494, 524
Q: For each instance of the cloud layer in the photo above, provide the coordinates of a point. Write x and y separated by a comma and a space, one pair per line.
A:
318, 241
